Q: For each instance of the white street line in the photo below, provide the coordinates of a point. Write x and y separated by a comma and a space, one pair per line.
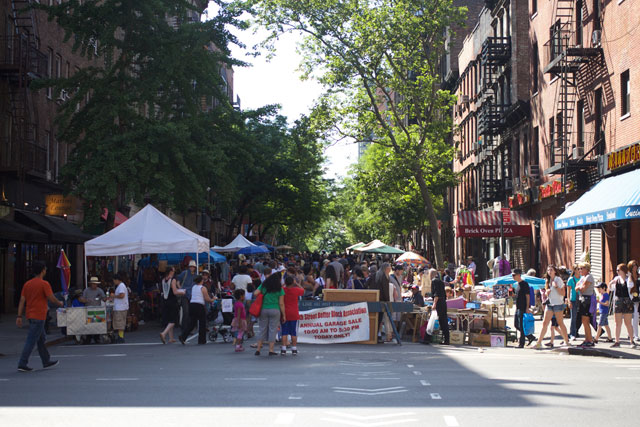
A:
380, 378
191, 337
117, 379
319, 357
417, 373
634, 369
425, 383
301, 385
370, 394
245, 379
56, 356
451, 421
367, 374
367, 389
369, 417
285, 418
292, 397
409, 366
628, 378
436, 396
337, 421
113, 355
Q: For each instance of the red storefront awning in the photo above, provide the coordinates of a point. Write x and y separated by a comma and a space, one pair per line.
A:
487, 224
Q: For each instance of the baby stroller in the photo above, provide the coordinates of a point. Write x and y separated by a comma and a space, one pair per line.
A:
219, 317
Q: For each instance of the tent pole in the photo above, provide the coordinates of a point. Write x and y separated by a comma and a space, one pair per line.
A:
86, 270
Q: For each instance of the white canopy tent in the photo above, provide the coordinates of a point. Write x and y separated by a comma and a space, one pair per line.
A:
374, 244
240, 242
147, 232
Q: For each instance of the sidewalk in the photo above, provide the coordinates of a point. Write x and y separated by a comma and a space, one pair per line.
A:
12, 338
603, 349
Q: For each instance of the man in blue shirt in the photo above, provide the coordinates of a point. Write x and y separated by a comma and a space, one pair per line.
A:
185, 279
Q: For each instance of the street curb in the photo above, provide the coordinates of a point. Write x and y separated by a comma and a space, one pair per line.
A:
594, 352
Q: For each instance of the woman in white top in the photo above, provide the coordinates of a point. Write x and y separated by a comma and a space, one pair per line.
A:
556, 292
197, 312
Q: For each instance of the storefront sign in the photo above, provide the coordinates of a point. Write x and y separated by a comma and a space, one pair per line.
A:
554, 188
493, 231
58, 205
622, 158
519, 199
331, 325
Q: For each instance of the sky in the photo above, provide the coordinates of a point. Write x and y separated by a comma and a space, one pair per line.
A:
277, 81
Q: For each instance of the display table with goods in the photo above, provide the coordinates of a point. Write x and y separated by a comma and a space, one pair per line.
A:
87, 321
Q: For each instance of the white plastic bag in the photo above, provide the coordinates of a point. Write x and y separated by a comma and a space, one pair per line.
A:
432, 322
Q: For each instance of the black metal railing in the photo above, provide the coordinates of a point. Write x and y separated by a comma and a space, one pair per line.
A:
491, 118
19, 54
496, 50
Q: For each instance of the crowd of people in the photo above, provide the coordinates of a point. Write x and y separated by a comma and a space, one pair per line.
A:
589, 305
187, 297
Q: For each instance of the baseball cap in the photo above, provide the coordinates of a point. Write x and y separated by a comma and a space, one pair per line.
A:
415, 287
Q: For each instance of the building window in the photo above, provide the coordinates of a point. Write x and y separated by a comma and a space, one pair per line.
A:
551, 141
579, 23
47, 142
625, 93
580, 123
535, 64
49, 69
58, 66
596, 15
534, 7
535, 140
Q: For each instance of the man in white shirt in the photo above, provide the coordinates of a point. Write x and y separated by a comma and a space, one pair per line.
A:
471, 265
120, 307
242, 279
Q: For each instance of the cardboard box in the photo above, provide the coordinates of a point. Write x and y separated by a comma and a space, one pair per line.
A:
481, 340
498, 323
498, 340
456, 338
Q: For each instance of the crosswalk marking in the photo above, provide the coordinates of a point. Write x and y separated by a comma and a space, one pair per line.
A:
451, 421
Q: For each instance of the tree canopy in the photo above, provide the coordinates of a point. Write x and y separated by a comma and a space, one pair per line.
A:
379, 62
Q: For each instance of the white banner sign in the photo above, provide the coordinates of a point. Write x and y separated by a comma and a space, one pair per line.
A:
332, 325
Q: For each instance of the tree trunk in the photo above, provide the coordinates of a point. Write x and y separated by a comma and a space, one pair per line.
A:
433, 219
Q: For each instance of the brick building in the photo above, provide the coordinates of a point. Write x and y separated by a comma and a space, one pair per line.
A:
31, 155
566, 128
491, 117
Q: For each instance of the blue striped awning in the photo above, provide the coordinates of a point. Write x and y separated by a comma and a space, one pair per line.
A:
612, 199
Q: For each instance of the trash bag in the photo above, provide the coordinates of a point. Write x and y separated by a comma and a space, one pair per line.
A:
528, 323
432, 322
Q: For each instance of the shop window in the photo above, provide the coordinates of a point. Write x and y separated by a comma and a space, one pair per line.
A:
625, 93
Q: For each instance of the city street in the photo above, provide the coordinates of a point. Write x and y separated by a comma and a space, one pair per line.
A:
355, 385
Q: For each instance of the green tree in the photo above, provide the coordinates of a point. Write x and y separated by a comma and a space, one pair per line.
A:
379, 60
135, 118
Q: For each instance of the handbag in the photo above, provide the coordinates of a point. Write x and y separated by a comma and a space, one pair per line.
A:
256, 306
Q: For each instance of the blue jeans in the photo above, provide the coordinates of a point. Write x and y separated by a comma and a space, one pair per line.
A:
36, 336
575, 325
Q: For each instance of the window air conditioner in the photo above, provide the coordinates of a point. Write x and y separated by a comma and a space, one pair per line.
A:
596, 38
533, 171
49, 175
578, 152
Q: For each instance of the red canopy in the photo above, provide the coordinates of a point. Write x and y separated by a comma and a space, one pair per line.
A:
487, 224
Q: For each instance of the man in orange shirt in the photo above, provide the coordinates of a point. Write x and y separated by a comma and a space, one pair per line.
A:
35, 294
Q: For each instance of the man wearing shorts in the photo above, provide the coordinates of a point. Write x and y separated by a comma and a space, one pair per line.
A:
120, 307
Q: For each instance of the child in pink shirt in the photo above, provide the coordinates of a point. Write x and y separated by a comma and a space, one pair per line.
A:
239, 322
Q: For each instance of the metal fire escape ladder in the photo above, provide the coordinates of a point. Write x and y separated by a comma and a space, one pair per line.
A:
25, 154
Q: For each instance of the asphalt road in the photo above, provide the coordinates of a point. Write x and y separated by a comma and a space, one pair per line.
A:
356, 385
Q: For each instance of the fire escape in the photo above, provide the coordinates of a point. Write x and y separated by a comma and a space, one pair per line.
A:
496, 52
20, 63
566, 58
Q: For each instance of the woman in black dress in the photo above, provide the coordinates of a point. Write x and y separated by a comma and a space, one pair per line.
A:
170, 291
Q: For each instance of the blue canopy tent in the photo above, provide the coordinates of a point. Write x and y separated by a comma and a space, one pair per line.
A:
253, 250
534, 282
173, 259
271, 248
